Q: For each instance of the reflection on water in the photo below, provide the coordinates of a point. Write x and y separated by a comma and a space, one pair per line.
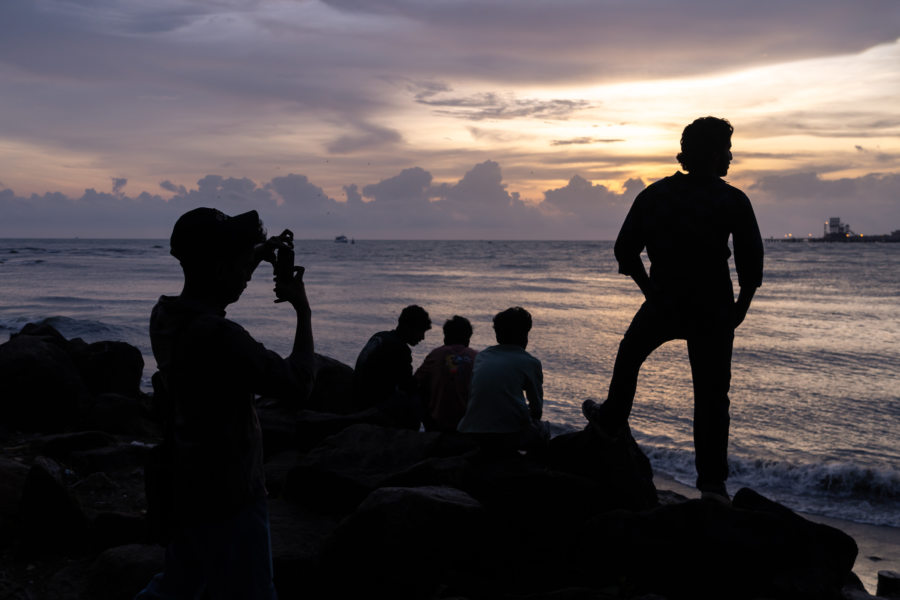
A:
816, 364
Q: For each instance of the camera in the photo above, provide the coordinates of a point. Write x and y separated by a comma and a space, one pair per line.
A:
283, 265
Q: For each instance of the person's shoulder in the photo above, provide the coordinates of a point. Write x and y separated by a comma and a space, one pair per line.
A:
659, 188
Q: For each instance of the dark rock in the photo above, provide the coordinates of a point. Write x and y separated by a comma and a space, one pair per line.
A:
704, 549
620, 466
119, 457
277, 467
111, 367
313, 427
338, 474
279, 428
298, 535
12, 481
40, 386
120, 414
535, 512
110, 529
831, 548
121, 572
333, 389
402, 542
888, 584
62, 445
51, 517
10, 590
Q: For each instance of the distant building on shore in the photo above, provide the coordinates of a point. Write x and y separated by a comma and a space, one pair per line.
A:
834, 227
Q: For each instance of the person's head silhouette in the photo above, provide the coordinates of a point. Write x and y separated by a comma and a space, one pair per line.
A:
706, 147
457, 331
216, 252
413, 323
512, 325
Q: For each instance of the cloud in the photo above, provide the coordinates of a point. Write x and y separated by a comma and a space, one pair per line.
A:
411, 188
171, 187
590, 208
411, 205
490, 105
297, 191
579, 141
118, 183
366, 137
800, 202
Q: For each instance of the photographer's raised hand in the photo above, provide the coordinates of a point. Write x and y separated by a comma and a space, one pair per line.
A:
293, 290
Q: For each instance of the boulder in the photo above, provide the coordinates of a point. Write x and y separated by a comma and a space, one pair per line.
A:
120, 414
333, 389
404, 542
704, 549
276, 468
60, 446
111, 368
298, 536
888, 584
618, 465
111, 529
121, 572
313, 427
12, 481
41, 388
338, 474
51, 517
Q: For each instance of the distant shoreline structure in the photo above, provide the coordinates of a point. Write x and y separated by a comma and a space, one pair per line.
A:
836, 231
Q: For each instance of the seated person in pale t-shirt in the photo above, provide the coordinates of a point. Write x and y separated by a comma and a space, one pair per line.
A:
444, 377
506, 395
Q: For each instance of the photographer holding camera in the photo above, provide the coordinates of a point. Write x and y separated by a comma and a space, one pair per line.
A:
208, 490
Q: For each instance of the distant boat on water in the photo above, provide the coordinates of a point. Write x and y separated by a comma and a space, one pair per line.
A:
341, 239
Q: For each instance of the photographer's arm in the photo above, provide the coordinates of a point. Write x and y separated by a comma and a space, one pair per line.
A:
302, 358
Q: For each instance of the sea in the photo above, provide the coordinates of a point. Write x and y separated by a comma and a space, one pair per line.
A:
815, 396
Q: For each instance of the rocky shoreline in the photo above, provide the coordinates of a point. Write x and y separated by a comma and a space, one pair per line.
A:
361, 509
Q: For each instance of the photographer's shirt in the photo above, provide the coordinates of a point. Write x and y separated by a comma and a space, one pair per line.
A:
213, 369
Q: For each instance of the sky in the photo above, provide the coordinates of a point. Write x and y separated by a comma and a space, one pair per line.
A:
438, 119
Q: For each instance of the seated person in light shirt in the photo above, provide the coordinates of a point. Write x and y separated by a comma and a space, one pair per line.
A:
444, 377
506, 394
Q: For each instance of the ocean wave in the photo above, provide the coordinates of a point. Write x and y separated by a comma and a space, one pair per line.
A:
69, 327
837, 489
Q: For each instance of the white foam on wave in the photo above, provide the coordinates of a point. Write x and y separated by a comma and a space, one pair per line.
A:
836, 489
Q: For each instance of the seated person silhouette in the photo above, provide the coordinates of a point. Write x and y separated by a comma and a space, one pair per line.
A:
506, 396
444, 376
684, 221
383, 375
210, 370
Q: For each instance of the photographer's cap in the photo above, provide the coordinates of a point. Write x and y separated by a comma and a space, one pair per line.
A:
207, 232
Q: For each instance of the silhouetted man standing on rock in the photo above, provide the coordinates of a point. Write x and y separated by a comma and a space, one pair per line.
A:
210, 370
684, 221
